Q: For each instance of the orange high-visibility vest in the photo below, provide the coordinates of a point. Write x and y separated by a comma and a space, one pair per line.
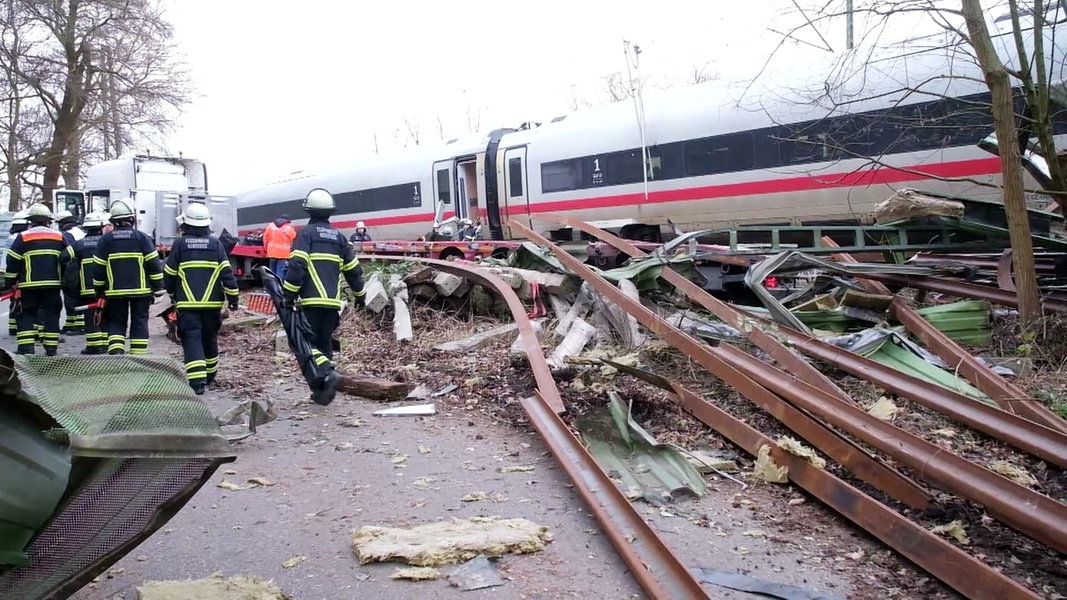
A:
278, 240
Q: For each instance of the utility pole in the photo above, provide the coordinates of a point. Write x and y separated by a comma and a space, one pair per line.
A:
848, 24
636, 89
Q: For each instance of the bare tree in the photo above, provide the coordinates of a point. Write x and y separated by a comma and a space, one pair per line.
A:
996, 76
700, 73
440, 128
103, 73
951, 119
615, 87
412, 128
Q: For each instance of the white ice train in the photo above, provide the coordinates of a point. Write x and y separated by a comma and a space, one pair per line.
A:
713, 161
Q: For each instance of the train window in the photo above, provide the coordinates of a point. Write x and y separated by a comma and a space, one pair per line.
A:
719, 154
514, 177
444, 186
561, 176
624, 167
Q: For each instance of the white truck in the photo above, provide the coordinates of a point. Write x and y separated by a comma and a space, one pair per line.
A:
157, 187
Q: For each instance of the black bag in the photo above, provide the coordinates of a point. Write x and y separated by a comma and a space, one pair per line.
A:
297, 331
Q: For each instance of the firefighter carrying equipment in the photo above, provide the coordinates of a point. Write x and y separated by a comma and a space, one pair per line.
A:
197, 274
278, 240
320, 257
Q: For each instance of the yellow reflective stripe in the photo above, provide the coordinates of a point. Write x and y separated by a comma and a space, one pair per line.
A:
289, 287
150, 256
215, 304
231, 291
327, 302
98, 260
325, 256
169, 270
352, 264
15, 254
316, 281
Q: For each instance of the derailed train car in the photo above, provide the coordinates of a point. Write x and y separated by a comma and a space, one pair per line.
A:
709, 155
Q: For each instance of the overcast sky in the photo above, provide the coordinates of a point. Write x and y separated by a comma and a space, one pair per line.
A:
289, 85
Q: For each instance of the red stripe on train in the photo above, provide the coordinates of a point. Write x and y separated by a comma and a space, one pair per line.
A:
962, 168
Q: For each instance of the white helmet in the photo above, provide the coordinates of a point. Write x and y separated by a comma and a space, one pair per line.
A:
319, 199
38, 212
195, 215
19, 218
120, 210
64, 215
95, 220
360, 225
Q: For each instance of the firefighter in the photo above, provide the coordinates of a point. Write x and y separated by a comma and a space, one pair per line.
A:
361, 234
35, 264
278, 240
128, 275
75, 321
198, 277
469, 233
18, 225
320, 257
78, 281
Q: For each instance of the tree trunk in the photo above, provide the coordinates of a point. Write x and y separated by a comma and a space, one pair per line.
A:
72, 165
996, 77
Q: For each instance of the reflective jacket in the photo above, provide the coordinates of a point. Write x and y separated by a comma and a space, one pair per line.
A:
279, 240
320, 257
36, 259
78, 276
127, 264
197, 273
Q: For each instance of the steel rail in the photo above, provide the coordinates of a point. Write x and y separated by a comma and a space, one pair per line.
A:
840, 449
1004, 393
956, 568
1008, 396
1037, 438
659, 572
1034, 514
965, 290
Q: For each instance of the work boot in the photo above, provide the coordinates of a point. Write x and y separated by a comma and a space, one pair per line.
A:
50, 352
199, 388
328, 391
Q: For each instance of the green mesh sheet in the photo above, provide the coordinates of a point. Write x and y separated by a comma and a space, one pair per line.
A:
120, 406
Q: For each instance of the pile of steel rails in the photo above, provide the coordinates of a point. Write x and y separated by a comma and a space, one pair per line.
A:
810, 404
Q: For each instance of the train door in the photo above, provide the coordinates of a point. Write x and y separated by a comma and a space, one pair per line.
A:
516, 184
442, 189
468, 202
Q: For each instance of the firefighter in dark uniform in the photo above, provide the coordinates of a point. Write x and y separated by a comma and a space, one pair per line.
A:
75, 321
198, 277
18, 225
128, 274
320, 257
78, 281
35, 264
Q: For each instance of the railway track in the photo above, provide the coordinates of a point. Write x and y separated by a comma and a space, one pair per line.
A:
810, 404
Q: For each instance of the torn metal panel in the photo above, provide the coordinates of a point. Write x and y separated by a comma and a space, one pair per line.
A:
634, 457
965, 321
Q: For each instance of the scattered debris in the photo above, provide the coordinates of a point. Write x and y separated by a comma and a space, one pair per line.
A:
415, 410
766, 469
475, 574
1013, 472
448, 542
795, 448
884, 409
416, 574
955, 530
633, 457
294, 561
238, 587
517, 469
